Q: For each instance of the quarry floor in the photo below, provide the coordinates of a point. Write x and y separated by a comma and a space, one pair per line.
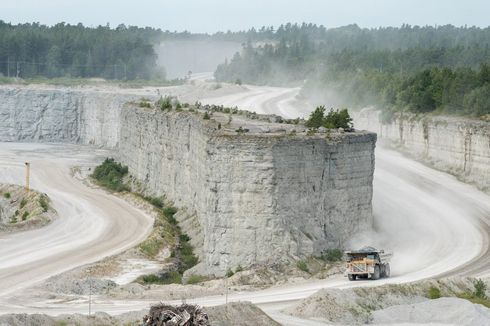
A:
435, 225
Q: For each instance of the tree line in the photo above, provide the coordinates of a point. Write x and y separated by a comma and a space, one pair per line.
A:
32, 50
410, 68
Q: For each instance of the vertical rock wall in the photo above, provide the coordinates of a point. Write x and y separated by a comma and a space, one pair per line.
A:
455, 145
259, 198
71, 116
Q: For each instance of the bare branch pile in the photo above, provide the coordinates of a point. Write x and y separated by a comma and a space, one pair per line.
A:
184, 315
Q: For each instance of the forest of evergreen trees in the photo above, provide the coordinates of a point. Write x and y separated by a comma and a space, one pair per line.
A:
421, 69
32, 50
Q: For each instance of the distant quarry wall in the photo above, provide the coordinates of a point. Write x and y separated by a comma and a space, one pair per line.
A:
257, 197
455, 145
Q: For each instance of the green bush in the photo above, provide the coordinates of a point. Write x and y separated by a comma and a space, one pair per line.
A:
110, 174
242, 130
301, 264
333, 120
229, 273
43, 203
206, 116
332, 255
480, 289
169, 213
156, 201
171, 277
433, 293
239, 269
13, 220
165, 103
144, 104
7, 195
186, 253
25, 215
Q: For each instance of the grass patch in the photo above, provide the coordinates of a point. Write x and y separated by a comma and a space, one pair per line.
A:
166, 231
25, 216
171, 277
301, 264
478, 296
229, 273
7, 195
472, 298
194, 279
169, 213
332, 255
43, 203
23, 202
110, 175
185, 254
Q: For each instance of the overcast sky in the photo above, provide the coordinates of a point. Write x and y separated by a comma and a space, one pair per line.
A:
222, 15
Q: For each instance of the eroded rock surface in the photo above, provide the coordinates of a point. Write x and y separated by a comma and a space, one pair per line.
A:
455, 145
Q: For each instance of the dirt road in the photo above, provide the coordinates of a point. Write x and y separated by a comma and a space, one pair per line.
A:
435, 224
92, 224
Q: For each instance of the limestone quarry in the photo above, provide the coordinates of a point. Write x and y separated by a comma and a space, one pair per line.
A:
272, 193
251, 190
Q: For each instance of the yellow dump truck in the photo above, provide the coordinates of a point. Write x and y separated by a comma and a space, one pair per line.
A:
367, 262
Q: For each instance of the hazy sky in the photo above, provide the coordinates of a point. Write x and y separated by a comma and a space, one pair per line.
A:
215, 15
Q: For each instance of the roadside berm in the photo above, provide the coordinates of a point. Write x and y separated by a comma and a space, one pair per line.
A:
445, 302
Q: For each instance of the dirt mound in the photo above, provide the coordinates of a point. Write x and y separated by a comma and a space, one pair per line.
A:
22, 210
238, 314
359, 305
451, 311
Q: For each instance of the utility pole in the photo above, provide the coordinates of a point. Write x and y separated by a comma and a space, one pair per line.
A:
28, 171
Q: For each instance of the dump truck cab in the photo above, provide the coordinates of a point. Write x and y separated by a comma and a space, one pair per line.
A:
367, 262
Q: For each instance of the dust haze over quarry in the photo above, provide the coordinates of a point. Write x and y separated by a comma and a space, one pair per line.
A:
178, 57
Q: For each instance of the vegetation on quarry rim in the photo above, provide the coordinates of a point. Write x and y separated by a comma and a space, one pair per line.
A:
166, 230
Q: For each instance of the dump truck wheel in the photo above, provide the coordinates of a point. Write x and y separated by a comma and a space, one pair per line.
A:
352, 277
376, 273
387, 270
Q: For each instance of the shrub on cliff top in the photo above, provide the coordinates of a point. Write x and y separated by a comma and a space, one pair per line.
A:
333, 120
165, 103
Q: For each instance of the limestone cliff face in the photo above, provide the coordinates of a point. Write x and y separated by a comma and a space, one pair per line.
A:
458, 146
71, 116
257, 197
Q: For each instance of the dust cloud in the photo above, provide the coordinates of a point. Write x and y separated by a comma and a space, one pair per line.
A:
180, 57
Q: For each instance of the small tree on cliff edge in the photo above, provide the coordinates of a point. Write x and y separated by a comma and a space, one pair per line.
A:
334, 119
316, 118
338, 119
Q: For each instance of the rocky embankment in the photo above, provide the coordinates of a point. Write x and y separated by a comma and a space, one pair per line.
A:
459, 146
259, 191
441, 302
